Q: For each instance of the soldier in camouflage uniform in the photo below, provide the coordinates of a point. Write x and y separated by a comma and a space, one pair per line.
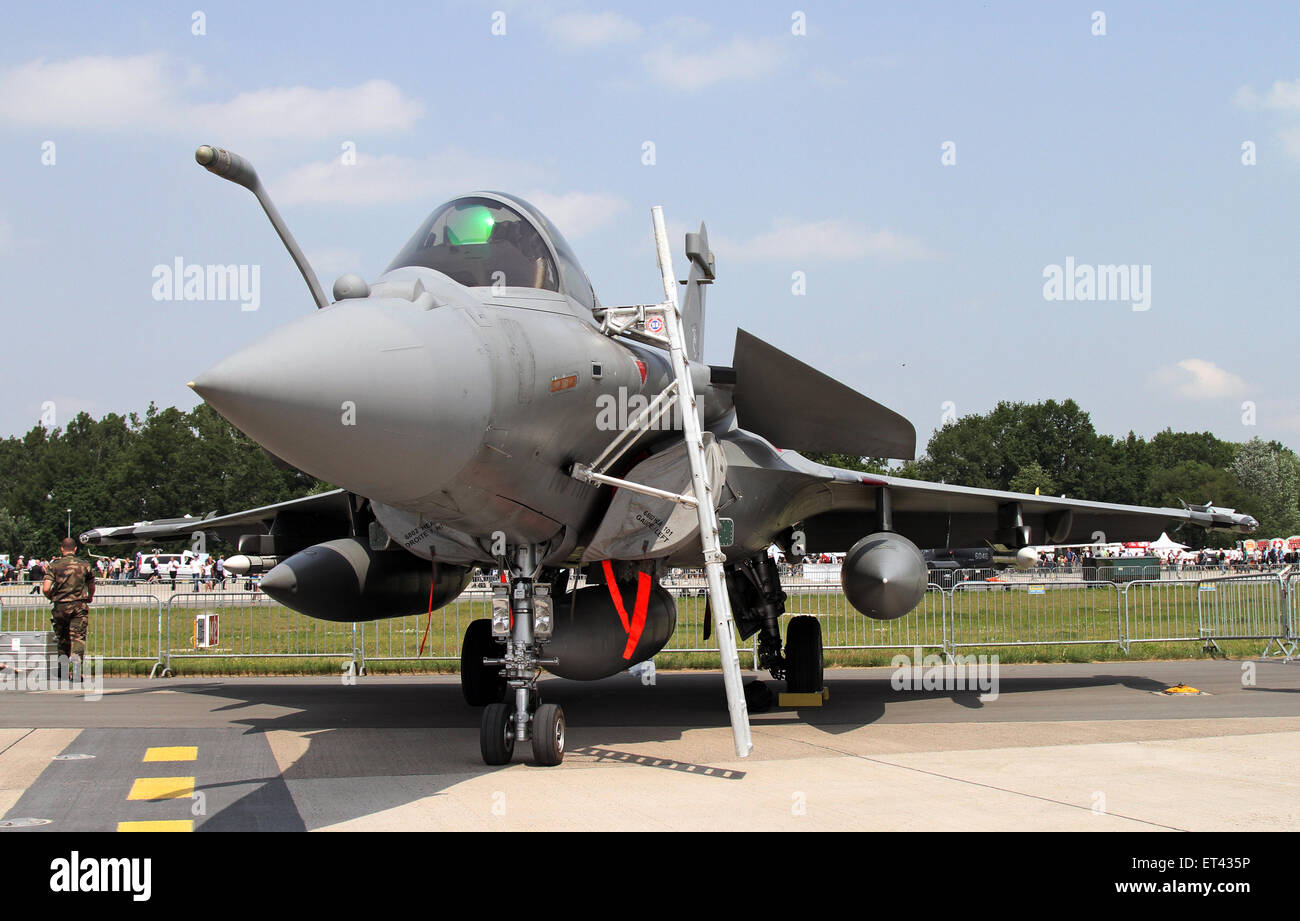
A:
70, 584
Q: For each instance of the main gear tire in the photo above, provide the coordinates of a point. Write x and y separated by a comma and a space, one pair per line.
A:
803, 655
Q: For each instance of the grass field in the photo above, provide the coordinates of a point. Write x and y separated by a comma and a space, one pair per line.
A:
1065, 623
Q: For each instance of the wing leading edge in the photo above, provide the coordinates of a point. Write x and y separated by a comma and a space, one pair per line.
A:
324, 512
943, 515
835, 507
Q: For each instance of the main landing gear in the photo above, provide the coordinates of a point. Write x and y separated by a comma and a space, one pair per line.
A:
759, 603
505, 680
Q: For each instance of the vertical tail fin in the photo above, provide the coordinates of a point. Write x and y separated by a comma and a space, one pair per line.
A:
702, 273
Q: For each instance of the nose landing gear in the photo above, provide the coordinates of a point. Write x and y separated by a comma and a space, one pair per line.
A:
522, 621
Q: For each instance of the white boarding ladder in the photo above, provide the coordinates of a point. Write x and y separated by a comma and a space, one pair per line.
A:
661, 325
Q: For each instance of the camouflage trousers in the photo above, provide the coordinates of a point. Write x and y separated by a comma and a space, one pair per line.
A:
70, 624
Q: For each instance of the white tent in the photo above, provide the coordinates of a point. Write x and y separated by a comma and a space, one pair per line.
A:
1164, 544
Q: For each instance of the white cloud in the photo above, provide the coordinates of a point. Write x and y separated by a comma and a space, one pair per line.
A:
154, 93
740, 59
373, 107
6, 234
392, 178
829, 241
1284, 95
577, 213
90, 92
591, 29
1198, 379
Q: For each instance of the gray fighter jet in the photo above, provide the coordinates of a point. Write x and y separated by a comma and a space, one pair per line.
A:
475, 402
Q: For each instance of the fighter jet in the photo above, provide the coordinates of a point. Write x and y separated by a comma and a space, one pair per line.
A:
478, 406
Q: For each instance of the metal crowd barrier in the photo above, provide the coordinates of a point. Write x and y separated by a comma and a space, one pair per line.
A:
1034, 614
688, 637
1242, 608
248, 625
843, 628
1288, 646
398, 639
1161, 611
123, 626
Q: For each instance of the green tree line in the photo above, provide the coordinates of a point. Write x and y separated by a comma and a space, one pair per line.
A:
1053, 448
122, 469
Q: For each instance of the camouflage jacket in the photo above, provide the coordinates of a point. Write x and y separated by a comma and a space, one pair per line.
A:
71, 577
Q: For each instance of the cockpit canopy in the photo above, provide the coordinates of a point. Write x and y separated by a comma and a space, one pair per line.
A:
492, 239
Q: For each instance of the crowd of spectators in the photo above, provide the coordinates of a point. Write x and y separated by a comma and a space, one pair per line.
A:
205, 574
1237, 560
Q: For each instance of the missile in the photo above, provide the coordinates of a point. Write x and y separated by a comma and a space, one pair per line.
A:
142, 531
1212, 516
245, 565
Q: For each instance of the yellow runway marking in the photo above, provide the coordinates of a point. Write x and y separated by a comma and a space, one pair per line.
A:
162, 788
172, 753
158, 825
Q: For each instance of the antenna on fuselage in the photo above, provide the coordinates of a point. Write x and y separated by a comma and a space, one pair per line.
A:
232, 166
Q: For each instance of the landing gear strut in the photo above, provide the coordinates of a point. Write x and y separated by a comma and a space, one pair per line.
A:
522, 621
758, 584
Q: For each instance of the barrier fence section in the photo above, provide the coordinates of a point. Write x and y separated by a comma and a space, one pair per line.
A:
123, 626
692, 620
1161, 611
1242, 608
1034, 614
399, 639
1288, 646
843, 628
249, 625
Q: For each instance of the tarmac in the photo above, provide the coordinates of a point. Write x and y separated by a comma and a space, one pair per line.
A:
1091, 747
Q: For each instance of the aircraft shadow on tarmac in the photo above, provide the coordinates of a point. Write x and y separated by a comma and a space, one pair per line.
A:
414, 739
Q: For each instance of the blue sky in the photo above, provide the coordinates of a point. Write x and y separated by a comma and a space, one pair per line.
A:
816, 153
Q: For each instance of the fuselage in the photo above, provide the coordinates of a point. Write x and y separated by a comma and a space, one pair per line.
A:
457, 411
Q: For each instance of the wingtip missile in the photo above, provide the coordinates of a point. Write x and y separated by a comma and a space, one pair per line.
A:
1229, 519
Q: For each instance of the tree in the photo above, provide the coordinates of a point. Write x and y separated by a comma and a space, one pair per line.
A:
1270, 473
987, 451
1030, 478
122, 469
848, 461
15, 534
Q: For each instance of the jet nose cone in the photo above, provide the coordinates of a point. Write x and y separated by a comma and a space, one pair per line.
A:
383, 399
280, 584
